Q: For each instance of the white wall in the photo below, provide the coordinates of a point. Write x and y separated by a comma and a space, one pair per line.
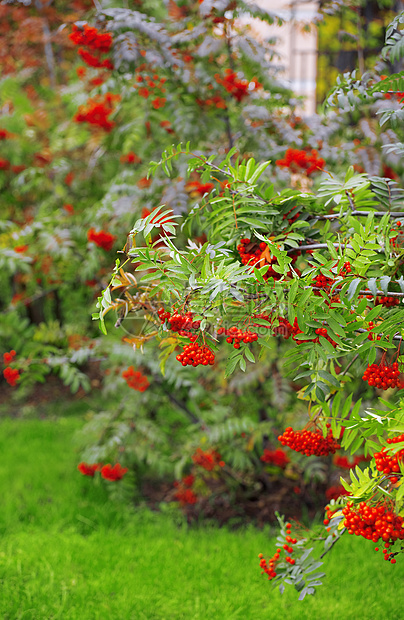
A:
297, 49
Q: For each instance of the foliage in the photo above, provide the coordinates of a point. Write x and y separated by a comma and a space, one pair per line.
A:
289, 282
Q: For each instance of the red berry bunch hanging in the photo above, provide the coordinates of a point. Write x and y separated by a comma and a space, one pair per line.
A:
269, 566
113, 473
383, 376
102, 238
198, 189
130, 158
329, 514
346, 269
389, 463
236, 87
185, 494
88, 470
322, 331
344, 463
91, 37
97, 110
388, 301
135, 379
257, 255
275, 457
235, 336
291, 219
284, 328
374, 523
306, 161
149, 86
249, 251
11, 375
309, 442
213, 101
179, 323
195, 355
96, 41
208, 459
9, 356
321, 281
371, 335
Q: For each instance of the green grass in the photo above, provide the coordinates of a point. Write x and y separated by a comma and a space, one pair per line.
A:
68, 552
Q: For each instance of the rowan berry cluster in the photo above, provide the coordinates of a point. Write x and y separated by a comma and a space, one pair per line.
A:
208, 459
391, 94
250, 252
374, 523
323, 282
195, 355
284, 328
344, 463
389, 463
296, 160
9, 356
113, 473
236, 87
310, 442
257, 255
329, 512
11, 375
102, 238
320, 331
214, 101
91, 37
94, 40
371, 335
269, 566
383, 376
179, 323
196, 188
97, 110
108, 472
135, 379
388, 301
275, 457
88, 470
149, 86
235, 336
185, 494
130, 158
4, 134
291, 219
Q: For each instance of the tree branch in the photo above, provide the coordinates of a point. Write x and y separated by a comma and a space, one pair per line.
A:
332, 544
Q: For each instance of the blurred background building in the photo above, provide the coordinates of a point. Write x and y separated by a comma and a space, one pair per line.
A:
320, 40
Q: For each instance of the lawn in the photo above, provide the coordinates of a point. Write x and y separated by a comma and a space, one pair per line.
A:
68, 552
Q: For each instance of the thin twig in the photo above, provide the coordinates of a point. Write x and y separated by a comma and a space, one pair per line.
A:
332, 544
318, 246
177, 402
333, 216
50, 60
